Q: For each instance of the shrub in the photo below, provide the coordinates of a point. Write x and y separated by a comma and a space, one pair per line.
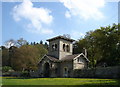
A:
6, 68
25, 74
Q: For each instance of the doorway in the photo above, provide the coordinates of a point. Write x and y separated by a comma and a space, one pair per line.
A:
46, 70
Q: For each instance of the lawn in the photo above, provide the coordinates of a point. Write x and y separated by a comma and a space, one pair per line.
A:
60, 81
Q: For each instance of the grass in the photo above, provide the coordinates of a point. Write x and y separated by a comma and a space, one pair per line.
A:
60, 81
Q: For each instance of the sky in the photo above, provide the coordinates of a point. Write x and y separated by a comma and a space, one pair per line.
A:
35, 21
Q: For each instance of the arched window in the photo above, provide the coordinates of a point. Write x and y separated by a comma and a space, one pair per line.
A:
63, 47
55, 47
67, 48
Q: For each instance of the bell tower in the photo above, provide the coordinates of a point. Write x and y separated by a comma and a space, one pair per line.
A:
60, 47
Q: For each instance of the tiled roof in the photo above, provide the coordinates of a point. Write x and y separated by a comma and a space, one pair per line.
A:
61, 37
69, 57
66, 58
53, 58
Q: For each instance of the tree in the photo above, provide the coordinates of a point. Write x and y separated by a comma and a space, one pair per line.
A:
27, 57
67, 35
34, 43
21, 42
10, 43
27, 43
102, 45
12, 51
31, 43
5, 56
46, 45
41, 42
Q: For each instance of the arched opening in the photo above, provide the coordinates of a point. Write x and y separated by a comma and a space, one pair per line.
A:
63, 47
68, 48
46, 69
65, 71
55, 47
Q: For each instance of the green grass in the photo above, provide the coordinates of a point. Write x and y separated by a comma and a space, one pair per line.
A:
58, 81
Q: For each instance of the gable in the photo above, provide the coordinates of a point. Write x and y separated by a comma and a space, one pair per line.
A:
48, 58
82, 56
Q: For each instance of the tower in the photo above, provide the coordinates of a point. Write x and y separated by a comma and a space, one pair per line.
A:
60, 47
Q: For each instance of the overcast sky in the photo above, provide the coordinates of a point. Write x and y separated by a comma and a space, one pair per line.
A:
35, 21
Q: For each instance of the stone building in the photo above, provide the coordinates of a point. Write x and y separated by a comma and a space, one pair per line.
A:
60, 61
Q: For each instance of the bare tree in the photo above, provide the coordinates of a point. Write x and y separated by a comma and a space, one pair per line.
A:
21, 42
10, 43
67, 35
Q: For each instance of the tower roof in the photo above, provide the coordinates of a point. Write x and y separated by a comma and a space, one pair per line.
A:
61, 37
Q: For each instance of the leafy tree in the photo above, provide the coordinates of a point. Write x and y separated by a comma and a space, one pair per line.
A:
5, 56
103, 45
27, 57
27, 43
34, 43
46, 45
41, 42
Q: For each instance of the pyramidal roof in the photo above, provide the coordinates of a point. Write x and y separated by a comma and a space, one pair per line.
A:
61, 37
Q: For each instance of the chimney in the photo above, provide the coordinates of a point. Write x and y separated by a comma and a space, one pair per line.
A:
85, 52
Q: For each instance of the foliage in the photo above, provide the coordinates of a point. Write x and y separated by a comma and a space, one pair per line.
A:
5, 56
103, 46
25, 74
27, 57
23, 56
41, 42
6, 68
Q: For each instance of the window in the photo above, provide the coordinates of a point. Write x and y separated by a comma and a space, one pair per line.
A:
68, 48
65, 70
79, 60
55, 46
63, 47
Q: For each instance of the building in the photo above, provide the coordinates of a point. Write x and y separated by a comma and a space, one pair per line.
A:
60, 61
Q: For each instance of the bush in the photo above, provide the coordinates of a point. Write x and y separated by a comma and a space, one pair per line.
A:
25, 74
6, 68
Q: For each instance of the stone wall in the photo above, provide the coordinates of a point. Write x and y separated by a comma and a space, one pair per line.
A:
101, 72
69, 66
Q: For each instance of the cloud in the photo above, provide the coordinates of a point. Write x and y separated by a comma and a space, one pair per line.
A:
84, 8
67, 14
38, 19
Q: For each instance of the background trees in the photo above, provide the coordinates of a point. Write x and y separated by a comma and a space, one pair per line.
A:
22, 56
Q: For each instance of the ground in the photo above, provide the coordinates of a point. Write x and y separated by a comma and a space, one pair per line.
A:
60, 81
